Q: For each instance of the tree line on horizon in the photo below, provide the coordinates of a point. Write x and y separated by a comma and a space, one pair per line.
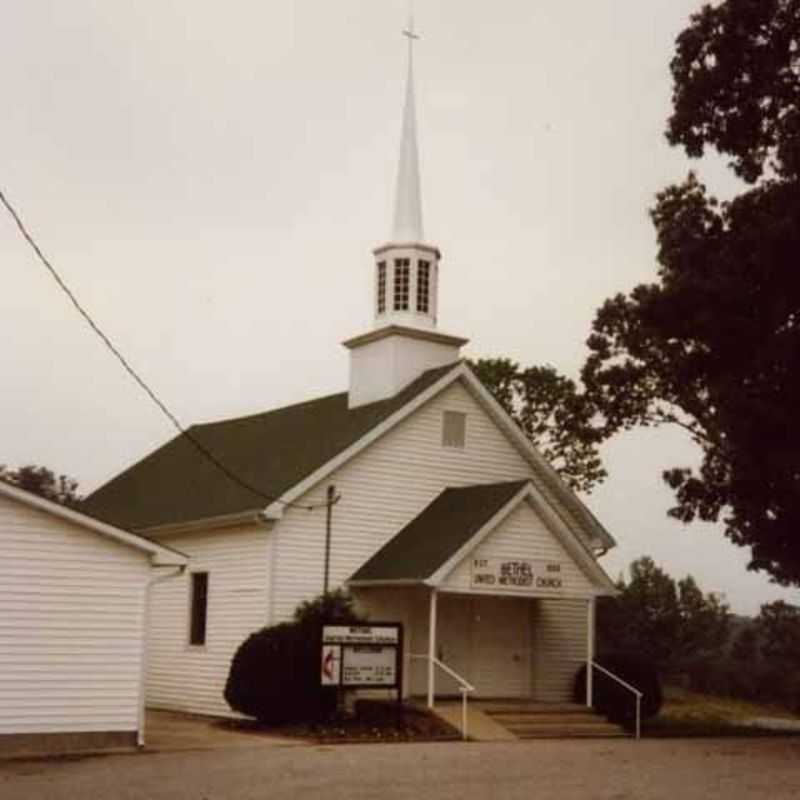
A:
693, 640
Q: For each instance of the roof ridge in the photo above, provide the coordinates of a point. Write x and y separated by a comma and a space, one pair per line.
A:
302, 403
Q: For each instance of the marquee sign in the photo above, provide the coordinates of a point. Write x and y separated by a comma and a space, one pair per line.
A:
362, 656
516, 574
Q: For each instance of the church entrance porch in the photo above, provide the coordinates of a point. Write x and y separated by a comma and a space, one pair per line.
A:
495, 592
504, 647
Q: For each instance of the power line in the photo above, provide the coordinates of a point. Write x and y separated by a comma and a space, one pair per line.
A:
201, 448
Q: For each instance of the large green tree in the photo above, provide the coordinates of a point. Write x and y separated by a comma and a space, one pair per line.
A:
713, 345
552, 412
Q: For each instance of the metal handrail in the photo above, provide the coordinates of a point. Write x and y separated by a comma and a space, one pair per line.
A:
630, 688
465, 687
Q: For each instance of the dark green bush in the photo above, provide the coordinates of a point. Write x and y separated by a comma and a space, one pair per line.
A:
615, 701
274, 675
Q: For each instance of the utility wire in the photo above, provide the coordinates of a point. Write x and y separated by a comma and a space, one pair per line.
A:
201, 448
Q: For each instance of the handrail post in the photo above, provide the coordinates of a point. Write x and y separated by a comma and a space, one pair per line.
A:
464, 687
638, 716
432, 648
590, 653
638, 695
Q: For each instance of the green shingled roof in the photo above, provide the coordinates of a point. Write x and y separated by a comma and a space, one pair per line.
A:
272, 451
437, 533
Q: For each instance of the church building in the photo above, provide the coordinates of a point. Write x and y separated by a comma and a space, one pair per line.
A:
445, 518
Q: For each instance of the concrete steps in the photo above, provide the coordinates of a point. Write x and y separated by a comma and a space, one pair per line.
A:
527, 720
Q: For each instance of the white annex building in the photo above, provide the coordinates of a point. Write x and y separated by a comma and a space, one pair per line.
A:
73, 604
447, 519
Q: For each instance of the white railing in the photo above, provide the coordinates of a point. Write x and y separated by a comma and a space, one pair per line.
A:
464, 686
630, 688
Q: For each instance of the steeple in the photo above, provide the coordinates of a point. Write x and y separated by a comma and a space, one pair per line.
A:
408, 201
407, 269
404, 341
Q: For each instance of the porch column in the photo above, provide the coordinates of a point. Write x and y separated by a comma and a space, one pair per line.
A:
589, 650
432, 647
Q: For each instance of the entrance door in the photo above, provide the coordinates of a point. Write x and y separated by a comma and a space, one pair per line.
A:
486, 640
501, 646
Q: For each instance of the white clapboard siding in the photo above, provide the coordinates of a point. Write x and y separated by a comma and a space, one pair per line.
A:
406, 605
383, 488
71, 625
559, 648
191, 678
522, 534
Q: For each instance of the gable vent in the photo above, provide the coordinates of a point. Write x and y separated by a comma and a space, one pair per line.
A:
454, 429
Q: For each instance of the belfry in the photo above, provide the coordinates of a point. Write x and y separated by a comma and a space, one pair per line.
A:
404, 341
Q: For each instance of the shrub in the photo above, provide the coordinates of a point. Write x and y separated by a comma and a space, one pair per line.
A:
274, 675
615, 701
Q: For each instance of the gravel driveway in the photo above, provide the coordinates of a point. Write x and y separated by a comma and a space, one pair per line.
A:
590, 770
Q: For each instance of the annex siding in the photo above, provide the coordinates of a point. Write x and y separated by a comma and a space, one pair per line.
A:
522, 535
406, 469
71, 626
559, 647
186, 677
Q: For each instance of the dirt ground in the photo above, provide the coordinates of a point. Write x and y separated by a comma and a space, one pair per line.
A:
734, 769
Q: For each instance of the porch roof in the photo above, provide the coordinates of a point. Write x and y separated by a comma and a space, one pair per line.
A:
437, 533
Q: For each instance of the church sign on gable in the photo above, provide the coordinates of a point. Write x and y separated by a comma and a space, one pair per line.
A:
516, 574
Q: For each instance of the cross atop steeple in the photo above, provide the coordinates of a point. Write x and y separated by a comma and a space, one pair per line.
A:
410, 32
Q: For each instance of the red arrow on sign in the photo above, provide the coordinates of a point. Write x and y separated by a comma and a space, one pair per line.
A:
327, 665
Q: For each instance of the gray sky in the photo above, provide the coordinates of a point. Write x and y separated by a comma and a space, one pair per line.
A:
210, 179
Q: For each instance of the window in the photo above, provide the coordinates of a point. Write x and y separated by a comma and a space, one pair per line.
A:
402, 268
423, 286
199, 608
454, 429
381, 287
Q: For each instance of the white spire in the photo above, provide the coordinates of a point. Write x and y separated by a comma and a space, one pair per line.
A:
408, 202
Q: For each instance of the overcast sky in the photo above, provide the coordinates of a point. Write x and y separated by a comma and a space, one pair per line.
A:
210, 179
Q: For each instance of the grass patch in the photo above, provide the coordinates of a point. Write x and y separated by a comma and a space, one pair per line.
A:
686, 713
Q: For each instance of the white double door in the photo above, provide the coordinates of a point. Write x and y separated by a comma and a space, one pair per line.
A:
487, 640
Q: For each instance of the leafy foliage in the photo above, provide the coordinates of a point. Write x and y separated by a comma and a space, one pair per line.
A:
551, 411
328, 608
778, 626
670, 622
44, 482
736, 73
714, 345
744, 648
274, 675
